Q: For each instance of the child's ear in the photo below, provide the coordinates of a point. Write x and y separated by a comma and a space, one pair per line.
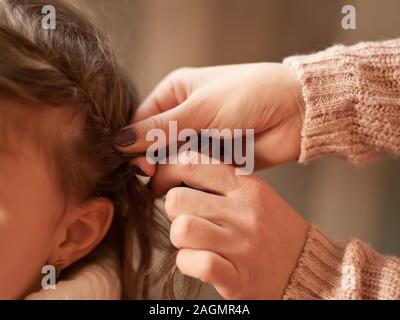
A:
82, 231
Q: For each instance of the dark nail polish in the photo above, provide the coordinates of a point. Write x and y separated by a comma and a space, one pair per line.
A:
136, 170
125, 137
128, 156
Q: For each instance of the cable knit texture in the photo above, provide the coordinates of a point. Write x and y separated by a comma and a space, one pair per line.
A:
352, 110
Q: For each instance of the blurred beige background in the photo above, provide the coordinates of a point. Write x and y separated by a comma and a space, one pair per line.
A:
153, 37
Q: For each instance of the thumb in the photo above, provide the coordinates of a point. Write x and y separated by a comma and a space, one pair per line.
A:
132, 139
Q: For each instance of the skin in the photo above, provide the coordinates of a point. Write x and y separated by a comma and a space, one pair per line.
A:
240, 236
265, 97
36, 226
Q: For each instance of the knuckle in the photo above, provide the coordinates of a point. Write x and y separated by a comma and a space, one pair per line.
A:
179, 259
188, 160
153, 122
173, 201
208, 265
180, 230
246, 248
179, 72
255, 222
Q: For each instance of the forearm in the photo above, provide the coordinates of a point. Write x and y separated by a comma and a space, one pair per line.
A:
349, 270
352, 101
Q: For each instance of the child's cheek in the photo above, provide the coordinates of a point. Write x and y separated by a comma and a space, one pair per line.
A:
23, 247
27, 211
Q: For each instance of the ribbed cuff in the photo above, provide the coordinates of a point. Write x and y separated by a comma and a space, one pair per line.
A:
317, 274
338, 115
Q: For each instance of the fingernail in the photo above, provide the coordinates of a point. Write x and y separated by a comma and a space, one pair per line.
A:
125, 137
129, 156
136, 170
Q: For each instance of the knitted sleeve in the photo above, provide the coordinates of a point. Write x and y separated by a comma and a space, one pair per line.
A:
352, 110
352, 101
347, 270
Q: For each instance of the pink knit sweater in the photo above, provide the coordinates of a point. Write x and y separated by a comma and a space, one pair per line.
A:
352, 110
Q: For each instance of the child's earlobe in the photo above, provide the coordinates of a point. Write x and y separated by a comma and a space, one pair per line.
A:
82, 231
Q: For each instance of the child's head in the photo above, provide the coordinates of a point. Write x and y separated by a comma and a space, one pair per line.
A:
62, 184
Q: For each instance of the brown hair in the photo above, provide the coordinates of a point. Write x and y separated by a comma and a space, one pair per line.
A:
73, 65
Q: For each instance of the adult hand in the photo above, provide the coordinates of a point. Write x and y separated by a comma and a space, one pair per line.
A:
233, 232
265, 97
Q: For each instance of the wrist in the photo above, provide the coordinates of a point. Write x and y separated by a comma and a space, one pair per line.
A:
296, 113
299, 103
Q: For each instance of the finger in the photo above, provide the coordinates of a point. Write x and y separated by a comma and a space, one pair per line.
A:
267, 154
208, 267
169, 93
197, 171
140, 135
143, 167
213, 207
193, 232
